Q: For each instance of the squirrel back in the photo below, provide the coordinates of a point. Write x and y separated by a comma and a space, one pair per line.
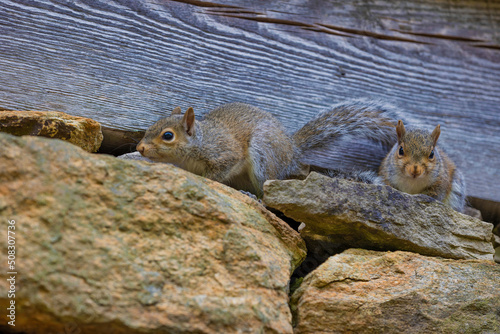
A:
243, 146
416, 165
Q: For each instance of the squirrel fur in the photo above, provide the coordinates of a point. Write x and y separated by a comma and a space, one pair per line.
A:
242, 146
416, 165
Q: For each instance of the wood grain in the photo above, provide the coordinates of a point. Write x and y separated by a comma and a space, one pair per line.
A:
124, 63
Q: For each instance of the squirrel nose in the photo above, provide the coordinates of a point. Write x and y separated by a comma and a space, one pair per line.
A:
416, 171
140, 147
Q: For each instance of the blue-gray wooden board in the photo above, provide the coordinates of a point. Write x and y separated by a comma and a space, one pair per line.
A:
125, 63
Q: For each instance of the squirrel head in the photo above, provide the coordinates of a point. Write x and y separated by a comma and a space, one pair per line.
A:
166, 140
416, 154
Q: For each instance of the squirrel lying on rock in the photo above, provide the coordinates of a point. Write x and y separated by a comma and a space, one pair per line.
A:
243, 146
415, 165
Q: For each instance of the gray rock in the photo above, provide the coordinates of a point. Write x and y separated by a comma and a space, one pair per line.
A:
379, 217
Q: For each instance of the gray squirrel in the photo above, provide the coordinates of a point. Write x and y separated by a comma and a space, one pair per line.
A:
242, 146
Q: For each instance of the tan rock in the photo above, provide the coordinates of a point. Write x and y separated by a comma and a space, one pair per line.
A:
378, 217
80, 131
370, 292
131, 247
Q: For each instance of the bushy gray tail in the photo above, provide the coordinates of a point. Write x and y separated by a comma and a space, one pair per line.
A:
360, 118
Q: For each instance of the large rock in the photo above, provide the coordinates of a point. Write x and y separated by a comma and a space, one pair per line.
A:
113, 246
378, 217
370, 292
80, 131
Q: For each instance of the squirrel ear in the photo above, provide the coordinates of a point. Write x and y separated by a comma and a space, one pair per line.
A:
176, 111
400, 130
188, 121
435, 134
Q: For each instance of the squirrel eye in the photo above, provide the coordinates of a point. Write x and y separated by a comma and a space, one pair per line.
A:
401, 151
431, 156
168, 136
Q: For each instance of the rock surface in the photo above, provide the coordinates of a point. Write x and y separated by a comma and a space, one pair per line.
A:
378, 217
80, 131
362, 291
112, 246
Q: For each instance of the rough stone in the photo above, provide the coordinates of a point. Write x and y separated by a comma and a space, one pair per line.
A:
80, 131
113, 246
378, 217
361, 291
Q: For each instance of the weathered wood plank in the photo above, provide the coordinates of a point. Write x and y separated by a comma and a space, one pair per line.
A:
124, 62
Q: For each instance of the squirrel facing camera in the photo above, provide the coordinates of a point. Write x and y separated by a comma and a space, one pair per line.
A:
416, 165
243, 146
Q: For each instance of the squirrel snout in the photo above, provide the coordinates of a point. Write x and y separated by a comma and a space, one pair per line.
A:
141, 148
414, 170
